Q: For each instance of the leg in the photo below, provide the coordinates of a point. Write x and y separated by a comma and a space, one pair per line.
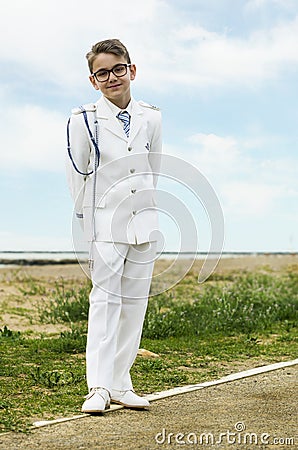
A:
104, 314
135, 286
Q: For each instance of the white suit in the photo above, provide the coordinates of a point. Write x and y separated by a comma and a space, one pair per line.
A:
125, 218
126, 177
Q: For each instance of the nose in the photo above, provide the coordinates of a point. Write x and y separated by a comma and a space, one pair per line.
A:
112, 77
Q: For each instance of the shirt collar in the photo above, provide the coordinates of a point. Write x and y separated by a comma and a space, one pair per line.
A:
115, 109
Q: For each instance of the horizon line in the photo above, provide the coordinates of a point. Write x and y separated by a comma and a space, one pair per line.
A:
242, 252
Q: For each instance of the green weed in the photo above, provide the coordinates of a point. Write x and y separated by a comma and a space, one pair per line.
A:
66, 304
199, 332
252, 303
7, 333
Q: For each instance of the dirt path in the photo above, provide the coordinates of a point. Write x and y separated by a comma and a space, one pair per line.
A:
265, 405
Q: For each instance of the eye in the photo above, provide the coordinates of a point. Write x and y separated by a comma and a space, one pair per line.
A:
102, 73
119, 69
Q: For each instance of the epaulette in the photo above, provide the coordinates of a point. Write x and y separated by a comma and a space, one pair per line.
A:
89, 107
146, 105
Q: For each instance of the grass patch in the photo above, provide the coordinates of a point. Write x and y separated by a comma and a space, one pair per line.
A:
66, 304
252, 302
200, 332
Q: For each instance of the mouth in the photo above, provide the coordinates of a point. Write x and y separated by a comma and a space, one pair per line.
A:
114, 86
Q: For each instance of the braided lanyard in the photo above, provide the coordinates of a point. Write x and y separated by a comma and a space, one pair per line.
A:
93, 140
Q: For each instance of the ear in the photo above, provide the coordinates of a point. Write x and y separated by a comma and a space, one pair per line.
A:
93, 82
133, 71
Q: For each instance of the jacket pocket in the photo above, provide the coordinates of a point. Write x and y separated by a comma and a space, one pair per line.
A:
100, 201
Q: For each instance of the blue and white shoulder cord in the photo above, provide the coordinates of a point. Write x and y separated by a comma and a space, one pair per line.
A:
95, 141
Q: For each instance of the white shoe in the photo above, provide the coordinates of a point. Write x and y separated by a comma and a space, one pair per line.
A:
129, 399
96, 401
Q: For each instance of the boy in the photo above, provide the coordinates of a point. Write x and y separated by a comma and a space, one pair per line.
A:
114, 151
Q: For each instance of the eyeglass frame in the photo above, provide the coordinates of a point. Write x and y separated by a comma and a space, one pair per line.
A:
111, 71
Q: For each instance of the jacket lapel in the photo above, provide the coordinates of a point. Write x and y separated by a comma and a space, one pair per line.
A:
107, 120
136, 120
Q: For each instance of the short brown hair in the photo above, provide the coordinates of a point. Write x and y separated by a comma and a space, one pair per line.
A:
108, 46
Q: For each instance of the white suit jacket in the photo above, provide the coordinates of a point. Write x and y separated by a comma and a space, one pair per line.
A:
125, 204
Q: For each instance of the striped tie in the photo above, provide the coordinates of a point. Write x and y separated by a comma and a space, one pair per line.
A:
125, 118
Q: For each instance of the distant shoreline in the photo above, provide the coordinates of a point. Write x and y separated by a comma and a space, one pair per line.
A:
40, 258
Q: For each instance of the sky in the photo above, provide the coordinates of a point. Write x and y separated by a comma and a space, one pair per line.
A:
223, 73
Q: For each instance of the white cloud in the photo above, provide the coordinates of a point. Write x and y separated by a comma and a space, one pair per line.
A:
249, 198
32, 137
249, 156
256, 5
50, 39
216, 153
247, 179
213, 58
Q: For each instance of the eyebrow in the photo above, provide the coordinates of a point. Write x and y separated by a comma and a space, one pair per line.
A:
105, 68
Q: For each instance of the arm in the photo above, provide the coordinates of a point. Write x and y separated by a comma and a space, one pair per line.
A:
156, 147
80, 154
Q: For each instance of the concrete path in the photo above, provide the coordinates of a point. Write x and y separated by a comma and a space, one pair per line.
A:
259, 412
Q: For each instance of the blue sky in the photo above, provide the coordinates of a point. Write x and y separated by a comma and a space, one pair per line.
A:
224, 74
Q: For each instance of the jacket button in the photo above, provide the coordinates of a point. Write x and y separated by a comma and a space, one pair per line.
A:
132, 170
133, 191
129, 149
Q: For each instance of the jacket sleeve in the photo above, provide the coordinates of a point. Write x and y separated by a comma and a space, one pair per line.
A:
156, 147
78, 158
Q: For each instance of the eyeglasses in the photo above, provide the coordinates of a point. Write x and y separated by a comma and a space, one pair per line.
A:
104, 74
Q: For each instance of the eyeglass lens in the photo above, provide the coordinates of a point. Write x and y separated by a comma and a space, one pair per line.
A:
119, 71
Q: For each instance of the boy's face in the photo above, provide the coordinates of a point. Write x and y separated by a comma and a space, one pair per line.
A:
116, 89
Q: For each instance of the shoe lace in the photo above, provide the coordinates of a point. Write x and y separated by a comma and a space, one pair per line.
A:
94, 390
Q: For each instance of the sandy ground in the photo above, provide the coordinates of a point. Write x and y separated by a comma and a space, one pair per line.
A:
164, 270
265, 405
259, 412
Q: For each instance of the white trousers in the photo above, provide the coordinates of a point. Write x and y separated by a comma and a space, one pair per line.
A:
121, 279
